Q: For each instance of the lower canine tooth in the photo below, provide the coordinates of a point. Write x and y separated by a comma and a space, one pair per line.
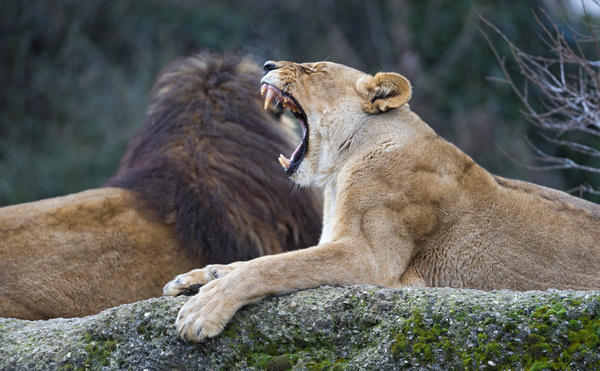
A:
284, 161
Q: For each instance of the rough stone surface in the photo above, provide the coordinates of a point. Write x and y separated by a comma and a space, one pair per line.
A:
358, 327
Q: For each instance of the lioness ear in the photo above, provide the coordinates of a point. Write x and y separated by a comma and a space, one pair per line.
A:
384, 91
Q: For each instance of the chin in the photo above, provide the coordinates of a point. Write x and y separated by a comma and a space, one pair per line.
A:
302, 177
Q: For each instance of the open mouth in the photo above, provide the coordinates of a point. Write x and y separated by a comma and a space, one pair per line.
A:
272, 93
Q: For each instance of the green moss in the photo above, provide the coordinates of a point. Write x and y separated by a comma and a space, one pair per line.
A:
509, 327
424, 339
309, 349
145, 331
326, 365
398, 345
539, 366
573, 324
266, 362
312, 359
542, 338
99, 351
584, 333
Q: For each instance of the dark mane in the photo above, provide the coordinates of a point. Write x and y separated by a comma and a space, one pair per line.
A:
205, 159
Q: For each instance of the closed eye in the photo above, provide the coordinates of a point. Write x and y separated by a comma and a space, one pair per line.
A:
305, 69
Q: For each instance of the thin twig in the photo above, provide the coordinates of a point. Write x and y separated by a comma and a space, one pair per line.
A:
567, 102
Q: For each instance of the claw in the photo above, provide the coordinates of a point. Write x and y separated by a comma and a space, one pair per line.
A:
191, 291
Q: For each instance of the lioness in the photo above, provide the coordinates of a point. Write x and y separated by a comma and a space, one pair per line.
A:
198, 184
403, 207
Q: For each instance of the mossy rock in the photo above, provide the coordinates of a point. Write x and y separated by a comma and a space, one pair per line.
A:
357, 327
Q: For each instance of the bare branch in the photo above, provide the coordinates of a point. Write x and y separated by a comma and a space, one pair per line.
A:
584, 188
577, 147
567, 91
560, 163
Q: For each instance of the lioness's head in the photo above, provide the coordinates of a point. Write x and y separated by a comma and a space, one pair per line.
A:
331, 102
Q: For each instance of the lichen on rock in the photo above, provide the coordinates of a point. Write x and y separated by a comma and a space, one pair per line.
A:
356, 327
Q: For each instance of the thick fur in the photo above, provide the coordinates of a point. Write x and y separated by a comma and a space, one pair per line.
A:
402, 207
204, 161
199, 183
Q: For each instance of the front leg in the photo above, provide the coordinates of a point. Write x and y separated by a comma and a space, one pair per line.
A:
190, 283
338, 263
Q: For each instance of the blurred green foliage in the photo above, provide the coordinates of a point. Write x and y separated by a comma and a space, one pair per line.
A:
75, 75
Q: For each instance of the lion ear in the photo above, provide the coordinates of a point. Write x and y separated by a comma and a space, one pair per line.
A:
384, 91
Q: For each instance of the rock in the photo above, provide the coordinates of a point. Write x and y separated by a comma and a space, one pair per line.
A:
358, 327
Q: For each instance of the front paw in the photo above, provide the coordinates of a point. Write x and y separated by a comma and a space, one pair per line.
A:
184, 284
191, 282
206, 314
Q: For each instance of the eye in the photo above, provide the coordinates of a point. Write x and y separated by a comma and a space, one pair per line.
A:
319, 67
305, 69
314, 68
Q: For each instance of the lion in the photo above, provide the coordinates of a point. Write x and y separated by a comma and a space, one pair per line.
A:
402, 207
198, 184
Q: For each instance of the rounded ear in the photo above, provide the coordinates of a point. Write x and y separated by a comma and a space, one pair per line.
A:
384, 91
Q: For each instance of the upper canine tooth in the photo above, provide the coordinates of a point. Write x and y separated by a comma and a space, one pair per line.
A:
263, 88
269, 98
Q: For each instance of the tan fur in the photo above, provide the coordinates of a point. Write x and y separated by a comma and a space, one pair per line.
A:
78, 254
183, 197
403, 207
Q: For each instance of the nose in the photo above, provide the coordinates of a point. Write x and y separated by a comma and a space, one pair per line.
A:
269, 66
